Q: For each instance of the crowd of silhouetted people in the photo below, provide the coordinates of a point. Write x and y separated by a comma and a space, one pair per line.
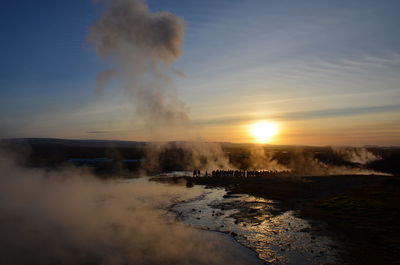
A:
241, 173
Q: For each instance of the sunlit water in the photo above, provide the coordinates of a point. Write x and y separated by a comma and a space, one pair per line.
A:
282, 239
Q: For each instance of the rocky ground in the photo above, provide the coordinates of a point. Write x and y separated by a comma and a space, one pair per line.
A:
362, 212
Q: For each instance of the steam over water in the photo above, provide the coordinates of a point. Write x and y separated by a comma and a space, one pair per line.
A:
69, 217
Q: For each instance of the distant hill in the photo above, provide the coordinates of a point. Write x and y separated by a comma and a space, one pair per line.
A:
50, 152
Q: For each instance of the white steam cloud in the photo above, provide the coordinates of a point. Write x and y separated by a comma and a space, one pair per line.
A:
185, 156
358, 155
141, 45
303, 163
69, 217
259, 159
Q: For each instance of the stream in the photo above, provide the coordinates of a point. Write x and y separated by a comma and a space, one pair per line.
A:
277, 239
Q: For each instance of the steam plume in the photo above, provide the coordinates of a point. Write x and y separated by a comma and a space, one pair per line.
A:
185, 156
141, 45
358, 155
304, 163
70, 218
259, 159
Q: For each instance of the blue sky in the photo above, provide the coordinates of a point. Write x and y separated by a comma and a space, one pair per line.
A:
327, 71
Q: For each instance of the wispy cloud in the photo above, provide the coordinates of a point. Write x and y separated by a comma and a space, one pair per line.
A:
338, 112
302, 115
98, 132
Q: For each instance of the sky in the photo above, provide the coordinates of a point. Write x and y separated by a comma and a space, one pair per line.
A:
326, 72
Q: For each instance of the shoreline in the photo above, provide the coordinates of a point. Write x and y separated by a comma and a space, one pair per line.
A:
225, 235
276, 240
358, 211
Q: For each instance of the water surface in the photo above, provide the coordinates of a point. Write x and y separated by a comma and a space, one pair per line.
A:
252, 221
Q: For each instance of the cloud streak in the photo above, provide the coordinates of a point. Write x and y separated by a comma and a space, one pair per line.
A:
303, 115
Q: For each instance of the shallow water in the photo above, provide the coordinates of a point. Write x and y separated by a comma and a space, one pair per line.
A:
282, 239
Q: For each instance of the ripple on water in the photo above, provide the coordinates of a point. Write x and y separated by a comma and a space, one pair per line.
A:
252, 221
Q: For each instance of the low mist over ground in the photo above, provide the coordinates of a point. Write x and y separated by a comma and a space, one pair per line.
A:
271, 120
70, 197
69, 217
140, 158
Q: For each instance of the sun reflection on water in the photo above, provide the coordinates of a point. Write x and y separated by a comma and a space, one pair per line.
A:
282, 239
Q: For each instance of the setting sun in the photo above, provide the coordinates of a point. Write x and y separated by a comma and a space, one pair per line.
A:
264, 131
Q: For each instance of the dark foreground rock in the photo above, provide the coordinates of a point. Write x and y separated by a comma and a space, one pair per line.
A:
361, 212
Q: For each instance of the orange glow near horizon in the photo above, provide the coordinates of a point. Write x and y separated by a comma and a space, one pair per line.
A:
264, 131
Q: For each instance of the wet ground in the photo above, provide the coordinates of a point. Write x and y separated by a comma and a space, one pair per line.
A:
360, 212
254, 223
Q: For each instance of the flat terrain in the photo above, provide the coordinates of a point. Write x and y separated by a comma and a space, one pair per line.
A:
362, 212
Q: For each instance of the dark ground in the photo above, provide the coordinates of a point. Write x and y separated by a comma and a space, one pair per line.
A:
54, 153
360, 212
